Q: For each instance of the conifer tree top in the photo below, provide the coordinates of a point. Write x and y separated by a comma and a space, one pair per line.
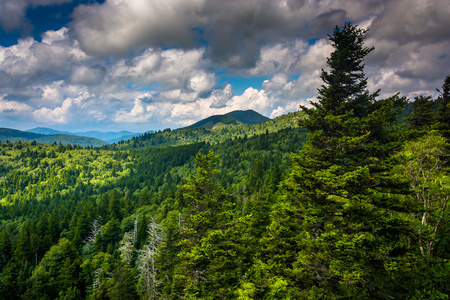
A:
345, 84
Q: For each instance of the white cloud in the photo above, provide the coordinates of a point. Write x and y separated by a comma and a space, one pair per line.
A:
87, 75
170, 69
57, 115
316, 56
30, 61
141, 112
250, 99
277, 82
54, 92
13, 106
220, 96
289, 107
64, 113
202, 82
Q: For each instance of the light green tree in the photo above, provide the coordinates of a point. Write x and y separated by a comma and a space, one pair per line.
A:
203, 246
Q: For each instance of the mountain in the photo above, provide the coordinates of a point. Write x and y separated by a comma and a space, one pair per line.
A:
232, 118
44, 130
214, 121
13, 135
109, 137
126, 137
248, 116
214, 129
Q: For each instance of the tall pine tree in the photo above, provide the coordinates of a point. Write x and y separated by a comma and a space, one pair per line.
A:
339, 226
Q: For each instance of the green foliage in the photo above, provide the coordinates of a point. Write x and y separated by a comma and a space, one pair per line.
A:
204, 228
56, 276
13, 135
211, 132
422, 115
423, 163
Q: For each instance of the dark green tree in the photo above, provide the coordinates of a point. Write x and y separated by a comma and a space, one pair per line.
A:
443, 117
422, 116
332, 232
122, 285
57, 273
345, 84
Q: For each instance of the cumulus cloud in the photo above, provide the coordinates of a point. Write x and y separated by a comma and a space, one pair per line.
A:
141, 112
57, 115
289, 107
220, 96
280, 57
64, 113
87, 75
30, 61
170, 69
13, 106
236, 31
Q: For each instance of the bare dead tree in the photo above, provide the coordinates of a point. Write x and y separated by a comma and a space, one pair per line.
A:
126, 248
148, 261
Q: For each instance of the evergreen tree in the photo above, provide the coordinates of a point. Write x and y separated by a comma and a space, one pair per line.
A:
443, 117
56, 274
422, 115
122, 285
332, 231
345, 84
204, 259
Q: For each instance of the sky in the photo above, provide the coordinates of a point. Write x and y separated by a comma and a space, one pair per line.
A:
142, 65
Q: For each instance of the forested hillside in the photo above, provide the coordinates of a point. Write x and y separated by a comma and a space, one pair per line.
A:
338, 201
12, 135
234, 117
218, 133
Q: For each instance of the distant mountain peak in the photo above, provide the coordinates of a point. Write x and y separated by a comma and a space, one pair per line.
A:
247, 116
234, 117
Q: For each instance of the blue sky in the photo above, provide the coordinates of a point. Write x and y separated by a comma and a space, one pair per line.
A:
148, 64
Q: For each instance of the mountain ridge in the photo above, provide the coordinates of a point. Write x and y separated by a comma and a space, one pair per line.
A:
109, 137
14, 135
214, 129
232, 118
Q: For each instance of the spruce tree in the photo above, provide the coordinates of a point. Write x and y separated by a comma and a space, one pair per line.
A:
338, 227
422, 116
345, 85
205, 252
443, 117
